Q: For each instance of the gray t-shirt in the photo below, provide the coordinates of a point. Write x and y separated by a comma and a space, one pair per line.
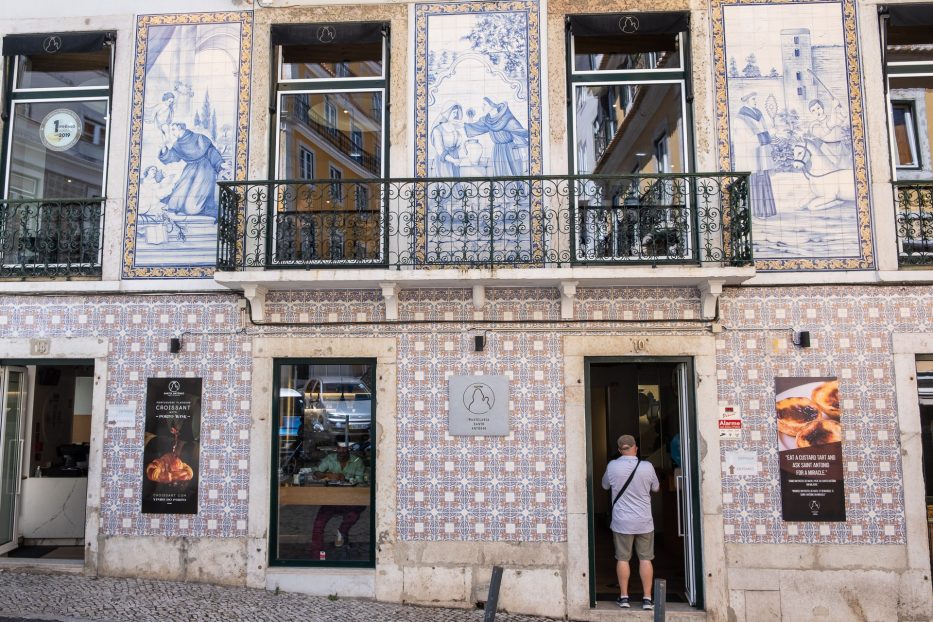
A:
632, 513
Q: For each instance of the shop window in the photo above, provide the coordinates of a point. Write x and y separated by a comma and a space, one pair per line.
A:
58, 105
908, 39
323, 463
330, 79
630, 85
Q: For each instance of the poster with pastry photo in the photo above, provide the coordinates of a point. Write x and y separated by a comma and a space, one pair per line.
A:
808, 418
171, 453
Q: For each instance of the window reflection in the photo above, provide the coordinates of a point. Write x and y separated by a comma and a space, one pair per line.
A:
325, 463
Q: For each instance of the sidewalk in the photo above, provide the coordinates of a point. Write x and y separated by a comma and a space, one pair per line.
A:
34, 594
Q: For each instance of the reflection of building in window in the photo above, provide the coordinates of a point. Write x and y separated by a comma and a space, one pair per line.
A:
331, 128
629, 120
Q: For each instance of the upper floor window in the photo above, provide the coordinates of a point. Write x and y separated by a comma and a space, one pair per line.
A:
627, 42
908, 39
321, 52
58, 104
330, 89
629, 119
57, 107
629, 87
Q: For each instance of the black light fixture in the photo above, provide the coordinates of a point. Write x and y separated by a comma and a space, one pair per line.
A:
802, 339
479, 342
175, 345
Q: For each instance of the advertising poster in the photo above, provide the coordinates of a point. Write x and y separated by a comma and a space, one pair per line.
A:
810, 449
172, 448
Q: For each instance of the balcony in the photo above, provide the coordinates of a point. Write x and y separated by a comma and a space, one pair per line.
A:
597, 229
51, 238
914, 222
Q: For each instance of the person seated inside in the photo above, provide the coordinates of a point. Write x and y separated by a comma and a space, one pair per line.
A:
339, 466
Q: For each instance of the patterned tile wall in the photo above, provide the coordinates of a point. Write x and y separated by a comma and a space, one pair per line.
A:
139, 329
850, 338
511, 488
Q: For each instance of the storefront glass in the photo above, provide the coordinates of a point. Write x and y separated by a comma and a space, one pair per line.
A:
324, 463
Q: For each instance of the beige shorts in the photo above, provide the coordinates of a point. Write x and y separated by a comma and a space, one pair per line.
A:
644, 546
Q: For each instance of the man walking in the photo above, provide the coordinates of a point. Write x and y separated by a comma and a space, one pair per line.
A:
631, 516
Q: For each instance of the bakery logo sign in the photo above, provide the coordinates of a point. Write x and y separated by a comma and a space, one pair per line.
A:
808, 420
61, 129
478, 405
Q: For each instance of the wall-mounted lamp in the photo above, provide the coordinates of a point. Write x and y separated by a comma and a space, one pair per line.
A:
175, 345
479, 342
802, 339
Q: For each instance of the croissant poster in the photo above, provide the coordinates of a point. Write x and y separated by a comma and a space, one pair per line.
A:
171, 453
810, 449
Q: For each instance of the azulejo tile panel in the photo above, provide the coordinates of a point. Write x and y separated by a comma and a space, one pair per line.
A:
138, 330
789, 110
189, 121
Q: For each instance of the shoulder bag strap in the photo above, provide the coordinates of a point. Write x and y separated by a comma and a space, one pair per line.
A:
627, 482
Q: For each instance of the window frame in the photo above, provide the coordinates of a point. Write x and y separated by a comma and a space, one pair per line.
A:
913, 135
12, 96
895, 70
383, 70
302, 152
276, 422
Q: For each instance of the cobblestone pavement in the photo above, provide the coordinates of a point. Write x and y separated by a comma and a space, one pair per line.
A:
30, 595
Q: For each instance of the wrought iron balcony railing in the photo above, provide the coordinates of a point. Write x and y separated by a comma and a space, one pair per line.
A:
914, 218
485, 222
51, 237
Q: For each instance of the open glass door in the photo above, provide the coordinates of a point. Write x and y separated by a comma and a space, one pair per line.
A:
688, 488
13, 398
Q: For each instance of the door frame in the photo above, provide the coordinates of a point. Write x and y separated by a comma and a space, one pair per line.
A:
66, 351
690, 419
701, 347
907, 346
24, 402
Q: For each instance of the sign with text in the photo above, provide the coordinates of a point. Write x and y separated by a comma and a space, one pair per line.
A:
730, 424
810, 449
479, 405
171, 454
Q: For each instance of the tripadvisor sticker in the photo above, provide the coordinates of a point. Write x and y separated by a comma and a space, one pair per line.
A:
60, 130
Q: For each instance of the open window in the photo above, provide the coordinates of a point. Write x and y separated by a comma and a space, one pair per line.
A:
331, 85
630, 86
57, 98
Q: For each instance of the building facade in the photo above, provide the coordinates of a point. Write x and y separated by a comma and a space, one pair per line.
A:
355, 298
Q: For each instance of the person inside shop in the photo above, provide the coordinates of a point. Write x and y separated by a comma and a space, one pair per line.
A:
631, 481
338, 466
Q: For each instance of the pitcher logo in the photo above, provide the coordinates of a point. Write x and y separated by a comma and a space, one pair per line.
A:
52, 44
628, 24
479, 398
326, 34
814, 506
174, 386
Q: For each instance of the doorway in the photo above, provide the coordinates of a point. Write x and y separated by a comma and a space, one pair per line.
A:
45, 436
925, 397
651, 399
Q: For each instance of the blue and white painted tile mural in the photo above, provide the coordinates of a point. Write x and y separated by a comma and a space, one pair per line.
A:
790, 112
188, 131
477, 114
